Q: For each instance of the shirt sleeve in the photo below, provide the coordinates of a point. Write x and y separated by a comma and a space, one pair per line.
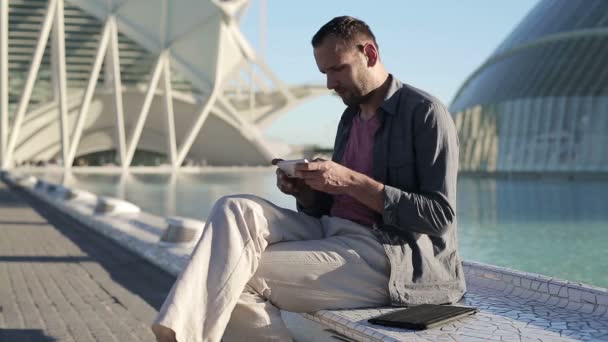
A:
431, 209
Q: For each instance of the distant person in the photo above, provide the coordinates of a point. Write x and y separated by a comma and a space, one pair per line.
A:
375, 227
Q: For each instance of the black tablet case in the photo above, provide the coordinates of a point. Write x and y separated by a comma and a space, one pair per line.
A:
422, 316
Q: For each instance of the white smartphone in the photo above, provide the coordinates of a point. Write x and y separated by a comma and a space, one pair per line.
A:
288, 166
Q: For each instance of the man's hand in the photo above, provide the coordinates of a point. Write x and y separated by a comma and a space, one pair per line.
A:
293, 186
326, 176
335, 179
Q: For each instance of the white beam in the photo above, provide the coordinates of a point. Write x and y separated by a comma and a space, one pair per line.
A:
265, 118
282, 87
248, 51
29, 83
198, 124
120, 121
249, 54
171, 144
107, 72
88, 95
3, 78
261, 84
54, 73
145, 108
233, 112
60, 77
206, 107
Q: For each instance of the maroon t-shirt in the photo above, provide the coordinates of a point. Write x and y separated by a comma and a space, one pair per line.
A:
358, 156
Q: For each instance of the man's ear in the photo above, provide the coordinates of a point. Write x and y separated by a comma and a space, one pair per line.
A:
371, 54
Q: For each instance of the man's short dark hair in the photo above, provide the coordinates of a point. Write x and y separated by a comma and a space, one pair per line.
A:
347, 28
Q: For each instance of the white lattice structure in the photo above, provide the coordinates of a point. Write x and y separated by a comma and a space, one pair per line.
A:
189, 84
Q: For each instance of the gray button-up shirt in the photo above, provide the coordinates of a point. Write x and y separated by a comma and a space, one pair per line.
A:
416, 157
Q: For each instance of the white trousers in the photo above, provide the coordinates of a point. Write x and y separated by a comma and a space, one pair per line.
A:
255, 258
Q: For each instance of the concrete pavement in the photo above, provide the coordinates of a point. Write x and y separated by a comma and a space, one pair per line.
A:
62, 282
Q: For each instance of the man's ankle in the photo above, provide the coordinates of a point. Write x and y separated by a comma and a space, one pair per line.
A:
163, 334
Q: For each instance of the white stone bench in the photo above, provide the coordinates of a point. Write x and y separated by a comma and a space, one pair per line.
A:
513, 306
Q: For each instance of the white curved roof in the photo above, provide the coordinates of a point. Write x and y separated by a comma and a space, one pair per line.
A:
196, 32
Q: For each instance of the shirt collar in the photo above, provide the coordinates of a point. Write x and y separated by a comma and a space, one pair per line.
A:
391, 99
390, 103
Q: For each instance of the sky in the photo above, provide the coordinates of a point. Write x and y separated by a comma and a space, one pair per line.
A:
430, 44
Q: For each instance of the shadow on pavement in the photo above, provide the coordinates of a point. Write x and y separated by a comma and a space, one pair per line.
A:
9, 200
24, 335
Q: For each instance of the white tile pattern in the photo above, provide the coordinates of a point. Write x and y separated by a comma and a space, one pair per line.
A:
512, 306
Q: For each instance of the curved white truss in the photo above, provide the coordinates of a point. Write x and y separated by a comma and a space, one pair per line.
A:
198, 38
41, 139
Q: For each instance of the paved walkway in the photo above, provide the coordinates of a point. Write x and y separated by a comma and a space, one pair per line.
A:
60, 282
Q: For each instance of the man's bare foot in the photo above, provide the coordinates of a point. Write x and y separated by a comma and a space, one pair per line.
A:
163, 334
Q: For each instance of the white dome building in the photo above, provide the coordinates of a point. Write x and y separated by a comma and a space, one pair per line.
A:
539, 103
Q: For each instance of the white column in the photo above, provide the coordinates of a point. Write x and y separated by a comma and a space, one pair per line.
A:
145, 108
29, 83
3, 78
171, 147
88, 94
117, 84
60, 86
